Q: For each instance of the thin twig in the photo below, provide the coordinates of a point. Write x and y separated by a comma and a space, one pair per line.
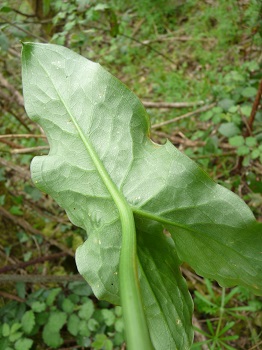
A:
150, 104
16, 94
22, 136
150, 47
29, 150
10, 110
22, 13
14, 52
10, 143
11, 297
254, 109
24, 30
255, 346
27, 227
40, 278
32, 262
184, 116
20, 170
189, 143
179, 38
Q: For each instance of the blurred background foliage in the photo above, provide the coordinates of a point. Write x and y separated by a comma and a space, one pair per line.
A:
196, 65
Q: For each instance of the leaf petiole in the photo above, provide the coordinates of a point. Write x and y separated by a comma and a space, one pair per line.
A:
137, 333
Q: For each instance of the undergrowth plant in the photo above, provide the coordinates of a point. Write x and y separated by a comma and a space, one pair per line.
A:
127, 192
52, 311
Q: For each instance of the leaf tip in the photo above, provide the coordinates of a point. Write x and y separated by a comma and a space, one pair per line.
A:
27, 49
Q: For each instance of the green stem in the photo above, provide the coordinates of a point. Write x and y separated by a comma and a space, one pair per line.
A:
136, 330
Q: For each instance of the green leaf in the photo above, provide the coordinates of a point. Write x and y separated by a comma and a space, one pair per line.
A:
56, 320
83, 329
109, 317
93, 325
68, 306
86, 310
14, 336
249, 92
73, 324
102, 164
2, 199
246, 110
255, 154
38, 306
80, 288
228, 129
251, 141
226, 104
52, 338
15, 210
102, 342
51, 335
242, 150
52, 296
4, 344
159, 267
6, 330
119, 325
28, 321
15, 327
41, 318
23, 344
236, 141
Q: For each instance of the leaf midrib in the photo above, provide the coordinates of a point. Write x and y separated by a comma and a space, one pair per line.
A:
117, 196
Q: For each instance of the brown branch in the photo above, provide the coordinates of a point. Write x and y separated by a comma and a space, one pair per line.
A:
29, 150
9, 109
254, 109
10, 143
23, 30
27, 227
16, 94
178, 38
189, 143
14, 53
11, 296
187, 115
40, 278
148, 46
255, 346
20, 170
150, 104
249, 126
21, 136
22, 13
32, 262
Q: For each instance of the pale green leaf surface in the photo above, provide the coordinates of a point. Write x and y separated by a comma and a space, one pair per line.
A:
92, 119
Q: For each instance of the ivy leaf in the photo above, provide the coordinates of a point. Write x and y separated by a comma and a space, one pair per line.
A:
98, 133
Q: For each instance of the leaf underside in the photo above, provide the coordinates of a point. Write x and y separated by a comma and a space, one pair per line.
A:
81, 106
